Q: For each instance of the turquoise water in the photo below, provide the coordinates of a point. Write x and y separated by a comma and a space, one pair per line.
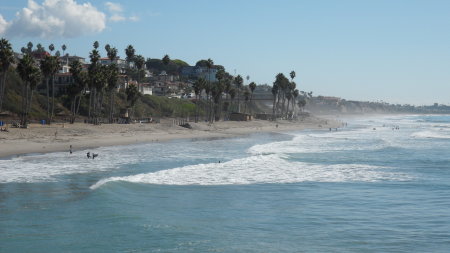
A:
364, 188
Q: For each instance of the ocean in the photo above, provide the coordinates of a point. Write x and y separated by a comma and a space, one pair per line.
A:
380, 184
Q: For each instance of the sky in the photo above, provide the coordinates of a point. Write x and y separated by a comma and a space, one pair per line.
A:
380, 50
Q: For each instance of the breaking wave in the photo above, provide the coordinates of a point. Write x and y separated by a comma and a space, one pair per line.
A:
260, 169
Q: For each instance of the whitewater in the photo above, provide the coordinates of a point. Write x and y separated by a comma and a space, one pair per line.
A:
379, 184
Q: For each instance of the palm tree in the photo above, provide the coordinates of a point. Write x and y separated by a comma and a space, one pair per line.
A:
198, 86
39, 48
6, 59
289, 96
113, 75
139, 60
238, 81
220, 76
275, 90
232, 93
209, 65
54, 67
129, 51
29, 47
95, 77
282, 87
216, 93
30, 75
132, 96
51, 47
295, 95
166, 60
252, 87
227, 83
64, 47
80, 81
246, 97
292, 74
35, 79
49, 67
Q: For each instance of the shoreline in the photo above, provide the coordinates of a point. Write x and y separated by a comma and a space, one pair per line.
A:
59, 136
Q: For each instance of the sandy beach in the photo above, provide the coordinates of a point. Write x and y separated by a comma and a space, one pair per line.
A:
59, 136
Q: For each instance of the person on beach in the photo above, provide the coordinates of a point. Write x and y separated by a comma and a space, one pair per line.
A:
70, 149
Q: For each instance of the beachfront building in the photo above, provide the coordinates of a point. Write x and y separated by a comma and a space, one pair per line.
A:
121, 63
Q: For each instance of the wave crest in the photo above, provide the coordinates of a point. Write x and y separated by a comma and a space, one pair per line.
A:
260, 169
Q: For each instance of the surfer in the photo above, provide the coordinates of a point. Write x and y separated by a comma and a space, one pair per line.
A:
88, 154
94, 155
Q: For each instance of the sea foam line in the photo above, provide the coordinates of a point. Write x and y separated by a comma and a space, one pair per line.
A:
260, 169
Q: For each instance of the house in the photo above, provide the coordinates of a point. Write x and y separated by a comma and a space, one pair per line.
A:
145, 89
62, 82
71, 58
122, 82
121, 63
195, 72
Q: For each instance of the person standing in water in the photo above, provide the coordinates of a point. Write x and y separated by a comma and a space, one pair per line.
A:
70, 149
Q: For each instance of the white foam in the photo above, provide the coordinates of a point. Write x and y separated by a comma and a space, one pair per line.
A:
361, 139
431, 134
47, 167
259, 169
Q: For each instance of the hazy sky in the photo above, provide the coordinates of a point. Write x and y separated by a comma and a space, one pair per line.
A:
396, 51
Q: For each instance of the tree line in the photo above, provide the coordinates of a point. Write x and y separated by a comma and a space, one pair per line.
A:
98, 83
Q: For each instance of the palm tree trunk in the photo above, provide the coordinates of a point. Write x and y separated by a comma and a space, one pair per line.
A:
24, 104
277, 107
48, 99
78, 106
31, 101
251, 99
274, 106
111, 106
2, 90
239, 101
72, 109
90, 104
53, 98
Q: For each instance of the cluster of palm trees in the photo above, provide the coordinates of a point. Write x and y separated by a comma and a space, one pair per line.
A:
6, 59
99, 80
285, 96
226, 84
31, 70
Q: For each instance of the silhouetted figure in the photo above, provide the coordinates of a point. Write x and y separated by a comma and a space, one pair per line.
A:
94, 155
70, 149
88, 154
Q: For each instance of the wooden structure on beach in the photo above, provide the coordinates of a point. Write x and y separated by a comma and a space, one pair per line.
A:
235, 116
